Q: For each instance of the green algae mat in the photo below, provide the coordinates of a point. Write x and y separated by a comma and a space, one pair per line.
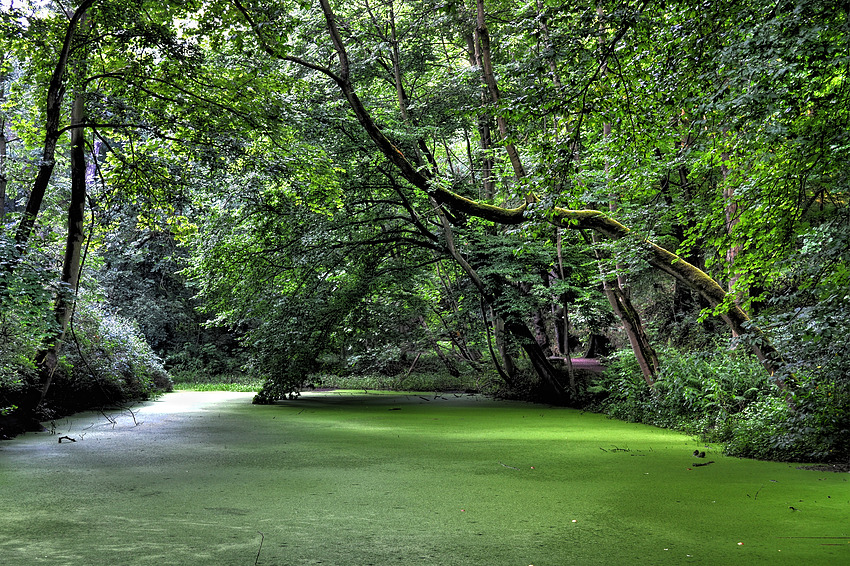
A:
337, 479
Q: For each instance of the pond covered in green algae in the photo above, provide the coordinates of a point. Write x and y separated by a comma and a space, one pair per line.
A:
208, 478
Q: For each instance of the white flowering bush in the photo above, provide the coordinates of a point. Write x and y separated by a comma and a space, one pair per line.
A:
106, 360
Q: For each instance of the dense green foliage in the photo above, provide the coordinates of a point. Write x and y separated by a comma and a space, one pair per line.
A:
470, 190
25, 321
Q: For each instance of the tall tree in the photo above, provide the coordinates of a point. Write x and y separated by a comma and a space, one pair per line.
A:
48, 360
342, 74
3, 139
53, 112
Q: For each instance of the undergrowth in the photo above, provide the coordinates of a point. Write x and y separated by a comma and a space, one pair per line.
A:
413, 382
197, 381
726, 397
194, 381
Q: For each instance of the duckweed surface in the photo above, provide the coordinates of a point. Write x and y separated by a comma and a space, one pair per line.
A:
206, 478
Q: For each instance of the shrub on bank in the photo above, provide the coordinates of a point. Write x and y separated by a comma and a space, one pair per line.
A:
105, 361
418, 381
810, 424
26, 320
726, 397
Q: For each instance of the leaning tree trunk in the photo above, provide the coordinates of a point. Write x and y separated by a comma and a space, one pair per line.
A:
539, 361
595, 220
53, 112
448, 363
503, 347
489, 75
682, 271
630, 319
565, 304
66, 298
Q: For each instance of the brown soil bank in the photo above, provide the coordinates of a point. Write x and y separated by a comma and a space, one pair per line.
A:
207, 478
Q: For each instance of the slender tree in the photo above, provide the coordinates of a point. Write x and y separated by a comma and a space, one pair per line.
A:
53, 112
48, 360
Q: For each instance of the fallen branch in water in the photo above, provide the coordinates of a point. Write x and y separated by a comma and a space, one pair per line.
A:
262, 538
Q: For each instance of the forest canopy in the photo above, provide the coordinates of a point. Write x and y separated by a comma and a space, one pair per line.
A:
490, 191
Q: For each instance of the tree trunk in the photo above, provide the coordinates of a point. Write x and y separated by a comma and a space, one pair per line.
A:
2, 155
66, 298
485, 140
564, 336
541, 336
502, 346
55, 94
447, 362
730, 211
489, 75
401, 95
459, 339
644, 353
532, 345
539, 361
3, 148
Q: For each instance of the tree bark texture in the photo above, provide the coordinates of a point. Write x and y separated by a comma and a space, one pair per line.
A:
730, 211
503, 346
485, 141
3, 147
539, 361
2, 162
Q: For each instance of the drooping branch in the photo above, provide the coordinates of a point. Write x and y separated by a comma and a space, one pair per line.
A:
595, 220
519, 330
273, 52
682, 271
658, 257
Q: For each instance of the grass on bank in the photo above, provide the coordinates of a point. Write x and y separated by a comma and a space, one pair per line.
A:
432, 382
198, 381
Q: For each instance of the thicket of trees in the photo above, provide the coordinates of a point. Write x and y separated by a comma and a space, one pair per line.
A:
483, 189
